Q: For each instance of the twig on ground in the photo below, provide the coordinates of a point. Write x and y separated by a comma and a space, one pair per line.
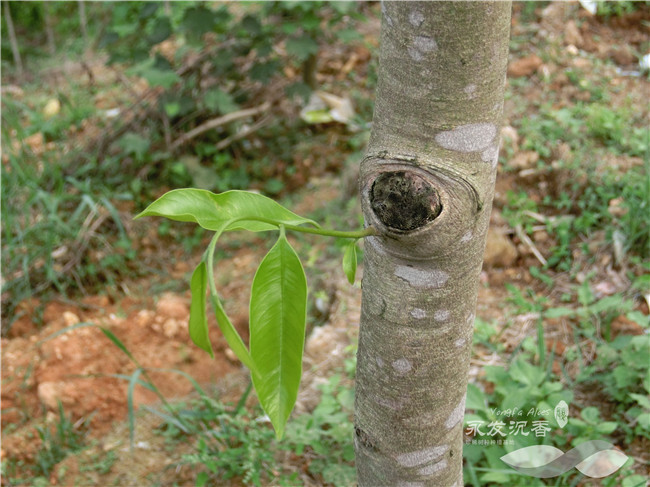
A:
218, 122
552, 220
529, 243
89, 229
242, 133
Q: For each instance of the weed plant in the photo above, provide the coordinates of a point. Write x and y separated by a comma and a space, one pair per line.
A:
58, 439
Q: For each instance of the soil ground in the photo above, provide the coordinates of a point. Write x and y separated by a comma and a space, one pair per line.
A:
88, 374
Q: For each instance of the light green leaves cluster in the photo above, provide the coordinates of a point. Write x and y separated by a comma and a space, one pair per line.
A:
278, 304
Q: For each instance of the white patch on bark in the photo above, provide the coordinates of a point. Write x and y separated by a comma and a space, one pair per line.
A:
470, 318
420, 457
402, 366
376, 304
457, 414
425, 43
433, 468
472, 137
418, 313
460, 342
421, 45
441, 315
415, 54
406, 483
416, 18
467, 237
380, 362
491, 155
422, 278
469, 89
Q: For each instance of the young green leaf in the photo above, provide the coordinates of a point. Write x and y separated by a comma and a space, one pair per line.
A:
198, 320
199, 324
232, 337
277, 330
350, 261
212, 211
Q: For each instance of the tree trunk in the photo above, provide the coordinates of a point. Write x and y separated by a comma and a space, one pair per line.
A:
83, 21
12, 38
309, 71
427, 184
49, 29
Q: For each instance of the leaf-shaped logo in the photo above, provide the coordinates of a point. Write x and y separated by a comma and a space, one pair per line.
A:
602, 464
532, 456
562, 413
595, 459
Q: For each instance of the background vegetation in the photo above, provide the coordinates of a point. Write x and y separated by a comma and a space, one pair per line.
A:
113, 104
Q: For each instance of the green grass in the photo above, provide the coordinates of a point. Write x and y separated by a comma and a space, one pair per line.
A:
618, 9
56, 240
58, 439
55, 446
58, 206
239, 443
585, 193
527, 383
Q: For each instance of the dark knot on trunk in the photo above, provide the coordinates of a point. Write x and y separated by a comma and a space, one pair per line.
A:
404, 201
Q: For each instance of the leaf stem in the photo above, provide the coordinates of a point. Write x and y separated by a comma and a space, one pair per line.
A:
356, 234
233, 338
210, 260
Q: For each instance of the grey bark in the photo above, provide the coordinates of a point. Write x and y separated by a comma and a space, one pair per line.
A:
49, 29
12, 38
427, 184
83, 21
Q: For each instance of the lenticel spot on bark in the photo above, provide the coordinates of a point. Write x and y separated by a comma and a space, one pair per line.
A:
404, 201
